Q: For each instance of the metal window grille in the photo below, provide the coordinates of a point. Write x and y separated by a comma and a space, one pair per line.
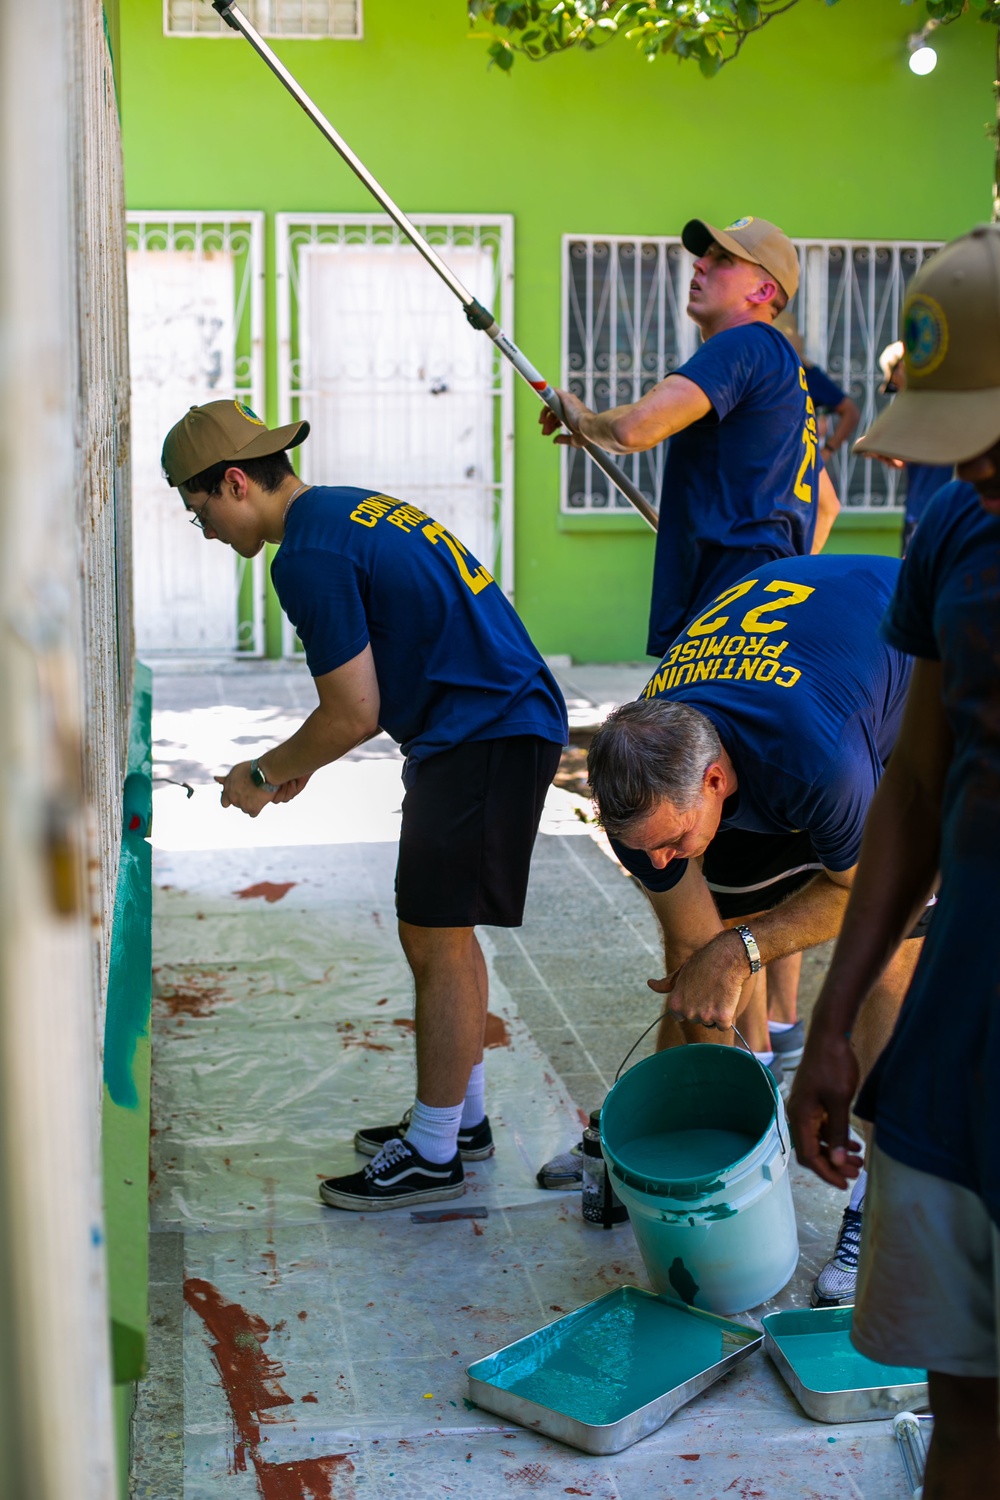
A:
625, 328
240, 237
331, 18
380, 379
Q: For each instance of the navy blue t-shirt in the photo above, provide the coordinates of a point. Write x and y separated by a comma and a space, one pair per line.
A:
805, 696
740, 484
824, 391
922, 483
935, 1092
453, 661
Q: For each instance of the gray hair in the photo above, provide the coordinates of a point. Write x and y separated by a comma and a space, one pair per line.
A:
648, 752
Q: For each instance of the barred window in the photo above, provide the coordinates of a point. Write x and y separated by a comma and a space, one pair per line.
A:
337, 18
625, 328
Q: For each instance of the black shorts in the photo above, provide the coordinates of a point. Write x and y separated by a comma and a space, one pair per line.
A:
469, 825
752, 872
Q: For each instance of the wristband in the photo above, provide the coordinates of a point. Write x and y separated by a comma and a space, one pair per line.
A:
258, 778
750, 944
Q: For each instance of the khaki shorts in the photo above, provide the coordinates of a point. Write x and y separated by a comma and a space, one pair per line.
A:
929, 1276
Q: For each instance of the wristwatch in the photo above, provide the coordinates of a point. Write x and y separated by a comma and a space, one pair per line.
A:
750, 944
259, 779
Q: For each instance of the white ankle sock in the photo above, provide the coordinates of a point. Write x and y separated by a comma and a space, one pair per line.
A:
858, 1191
779, 1026
434, 1132
474, 1107
764, 1057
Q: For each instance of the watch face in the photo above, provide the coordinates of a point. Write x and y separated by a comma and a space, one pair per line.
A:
257, 775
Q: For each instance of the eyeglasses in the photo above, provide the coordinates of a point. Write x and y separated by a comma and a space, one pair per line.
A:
195, 517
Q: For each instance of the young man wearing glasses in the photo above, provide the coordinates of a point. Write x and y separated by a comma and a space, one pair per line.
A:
405, 631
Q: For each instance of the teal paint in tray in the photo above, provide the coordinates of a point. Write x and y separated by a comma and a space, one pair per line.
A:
613, 1371
817, 1344
830, 1362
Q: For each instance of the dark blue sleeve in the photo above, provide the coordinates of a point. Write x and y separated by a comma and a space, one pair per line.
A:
641, 866
320, 593
822, 389
908, 623
834, 814
726, 367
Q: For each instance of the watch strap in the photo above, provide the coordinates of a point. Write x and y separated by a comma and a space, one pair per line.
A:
750, 944
259, 779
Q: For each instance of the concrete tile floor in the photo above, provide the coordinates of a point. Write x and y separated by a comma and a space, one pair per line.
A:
358, 1328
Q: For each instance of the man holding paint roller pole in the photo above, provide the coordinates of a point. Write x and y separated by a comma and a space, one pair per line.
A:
929, 1279
736, 790
743, 483
403, 629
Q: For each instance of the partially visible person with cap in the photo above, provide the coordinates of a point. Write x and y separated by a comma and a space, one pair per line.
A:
405, 630
928, 1291
922, 480
827, 396
743, 483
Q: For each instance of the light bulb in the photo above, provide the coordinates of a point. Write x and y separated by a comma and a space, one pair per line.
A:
923, 60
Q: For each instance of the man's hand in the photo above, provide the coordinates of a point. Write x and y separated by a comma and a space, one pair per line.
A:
238, 790
289, 789
706, 989
573, 411
819, 1108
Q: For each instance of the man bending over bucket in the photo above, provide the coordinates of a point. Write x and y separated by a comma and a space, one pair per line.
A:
929, 1282
736, 789
402, 629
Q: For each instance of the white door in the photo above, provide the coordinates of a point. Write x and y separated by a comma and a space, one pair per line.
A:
403, 396
184, 308
395, 383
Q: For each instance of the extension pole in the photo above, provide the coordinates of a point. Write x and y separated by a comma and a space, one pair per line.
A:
480, 317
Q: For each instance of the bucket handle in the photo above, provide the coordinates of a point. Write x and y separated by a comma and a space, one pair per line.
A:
770, 1080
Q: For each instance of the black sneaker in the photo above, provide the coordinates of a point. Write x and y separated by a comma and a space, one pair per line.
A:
835, 1284
397, 1175
475, 1142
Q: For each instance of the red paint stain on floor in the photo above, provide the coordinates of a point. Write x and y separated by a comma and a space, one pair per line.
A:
270, 890
251, 1380
497, 1032
310, 1396
403, 1022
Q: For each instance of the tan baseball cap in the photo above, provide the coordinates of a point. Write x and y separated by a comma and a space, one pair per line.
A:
208, 434
751, 239
950, 409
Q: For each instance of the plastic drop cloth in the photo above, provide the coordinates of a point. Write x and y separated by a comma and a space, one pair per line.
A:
324, 1353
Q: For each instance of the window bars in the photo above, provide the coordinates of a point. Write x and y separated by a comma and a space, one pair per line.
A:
304, 18
625, 328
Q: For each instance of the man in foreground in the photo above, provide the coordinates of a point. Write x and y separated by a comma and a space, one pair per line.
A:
929, 1282
403, 629
742, 484
736, 790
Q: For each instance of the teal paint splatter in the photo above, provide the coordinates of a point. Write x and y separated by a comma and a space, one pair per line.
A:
130, 969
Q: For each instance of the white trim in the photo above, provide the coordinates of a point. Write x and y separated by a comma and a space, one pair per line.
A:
737, 890
285, 36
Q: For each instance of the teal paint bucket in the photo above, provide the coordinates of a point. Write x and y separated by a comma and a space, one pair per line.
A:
697, 1146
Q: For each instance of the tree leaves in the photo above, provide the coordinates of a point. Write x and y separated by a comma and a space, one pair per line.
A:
708, 32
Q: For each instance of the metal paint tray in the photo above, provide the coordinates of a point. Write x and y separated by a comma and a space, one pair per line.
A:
611, 1372
829, 1378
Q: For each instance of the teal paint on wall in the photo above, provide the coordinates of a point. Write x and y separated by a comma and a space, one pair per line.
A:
819, 126
129, 977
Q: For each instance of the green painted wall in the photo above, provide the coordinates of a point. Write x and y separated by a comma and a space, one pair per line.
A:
819, 126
